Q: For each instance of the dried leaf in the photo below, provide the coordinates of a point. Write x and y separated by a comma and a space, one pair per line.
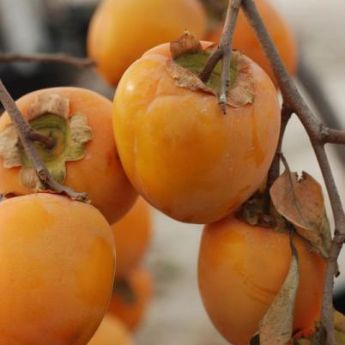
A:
277, 325
301, 202
243, 89
186, 44
9, 147
48, 103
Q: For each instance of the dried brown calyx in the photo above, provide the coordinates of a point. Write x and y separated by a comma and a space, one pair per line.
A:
188, 60
49, 115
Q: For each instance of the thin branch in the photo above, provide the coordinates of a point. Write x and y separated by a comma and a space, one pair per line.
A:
313, 127
332, 136
23, 129
223, 52
47, 58
274, 171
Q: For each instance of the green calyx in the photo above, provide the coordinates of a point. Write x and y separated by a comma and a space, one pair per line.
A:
189, 59
69, 135
196, 63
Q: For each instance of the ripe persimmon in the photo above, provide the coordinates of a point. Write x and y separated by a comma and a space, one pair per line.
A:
179, 150
241, 269
111, 332
84, 155
132, 235
57, 263
245, 39
131, 297
121, 30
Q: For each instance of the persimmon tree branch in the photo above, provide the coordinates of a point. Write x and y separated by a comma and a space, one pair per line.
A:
47, 58
25, 134
319, 135
223, 52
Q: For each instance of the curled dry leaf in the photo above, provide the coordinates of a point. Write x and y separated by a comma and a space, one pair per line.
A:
186, 44
277, 325
301, 202
189, 59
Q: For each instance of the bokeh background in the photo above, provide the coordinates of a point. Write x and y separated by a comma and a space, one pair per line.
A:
176, 315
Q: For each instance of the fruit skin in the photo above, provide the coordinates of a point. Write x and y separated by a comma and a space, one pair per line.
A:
132, 312
246, 41
179, 150
241, 269
122, 30
100, 173
111, 332
132, 235
57, 261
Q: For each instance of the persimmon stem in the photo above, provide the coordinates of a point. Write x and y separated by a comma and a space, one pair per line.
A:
316, 132
24, 131
223, 52
48, 142
47, 58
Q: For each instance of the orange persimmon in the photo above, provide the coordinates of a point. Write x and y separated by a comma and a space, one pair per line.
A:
246, 41
121, 30
132, 236
84, 156
180, 151
111, 332
131, 297
241, 269
57, 263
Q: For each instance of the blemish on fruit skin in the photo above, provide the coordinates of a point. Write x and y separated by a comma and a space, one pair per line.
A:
96, 273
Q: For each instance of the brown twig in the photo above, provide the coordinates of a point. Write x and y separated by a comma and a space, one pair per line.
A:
47, 58
274, 170
316, 132
223, 52
275, 166
24, 131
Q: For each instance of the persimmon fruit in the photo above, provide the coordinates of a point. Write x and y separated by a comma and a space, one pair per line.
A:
179, 150
132, 236
111, 332
57, 263
122, 30
131, 297
84, 156
246, 41
241, 269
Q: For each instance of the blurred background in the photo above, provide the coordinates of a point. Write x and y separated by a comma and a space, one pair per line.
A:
176, 315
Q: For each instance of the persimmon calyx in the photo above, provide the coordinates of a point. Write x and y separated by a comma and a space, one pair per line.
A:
48, 115
189, 59
123, 289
